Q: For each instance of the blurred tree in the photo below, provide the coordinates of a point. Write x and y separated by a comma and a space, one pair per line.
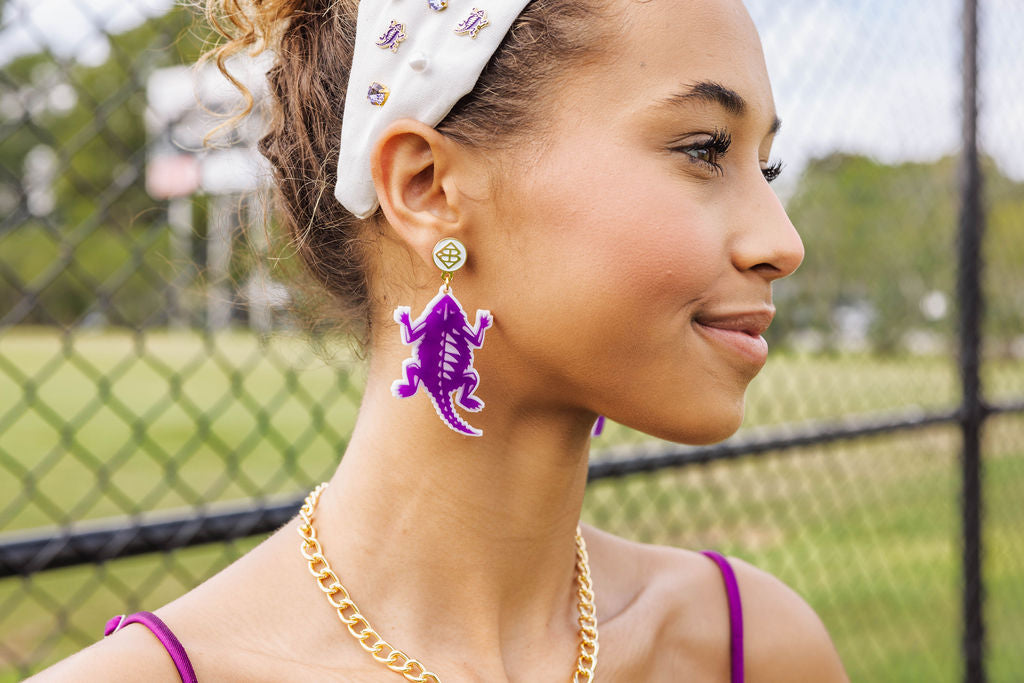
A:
101, 248
880, 241
1004, 262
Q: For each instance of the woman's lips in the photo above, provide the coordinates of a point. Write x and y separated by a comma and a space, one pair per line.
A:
738, 332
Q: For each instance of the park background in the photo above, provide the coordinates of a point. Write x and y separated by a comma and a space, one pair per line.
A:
165, 399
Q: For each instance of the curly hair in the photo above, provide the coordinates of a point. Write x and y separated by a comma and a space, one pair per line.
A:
312, 42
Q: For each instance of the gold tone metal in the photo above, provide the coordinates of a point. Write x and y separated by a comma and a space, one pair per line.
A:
449, 254
395, 659
446, 278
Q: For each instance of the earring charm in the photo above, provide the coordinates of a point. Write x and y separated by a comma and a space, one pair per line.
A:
443, 343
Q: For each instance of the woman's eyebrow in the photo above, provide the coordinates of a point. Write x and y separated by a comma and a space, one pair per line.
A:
711, 92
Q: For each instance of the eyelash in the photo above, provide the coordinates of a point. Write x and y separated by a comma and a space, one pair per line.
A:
718, 144
772, 172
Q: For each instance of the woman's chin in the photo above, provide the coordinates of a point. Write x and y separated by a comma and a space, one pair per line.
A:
706, 437
696, 429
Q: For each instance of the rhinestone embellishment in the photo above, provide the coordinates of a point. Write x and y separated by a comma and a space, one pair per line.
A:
392, 37
377, 94
437, 5
472, 24
449, 255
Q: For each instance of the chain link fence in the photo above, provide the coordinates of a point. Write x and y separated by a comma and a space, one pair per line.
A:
162, 407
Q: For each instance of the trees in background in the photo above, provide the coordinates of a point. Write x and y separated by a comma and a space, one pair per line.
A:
880, 270
79, 236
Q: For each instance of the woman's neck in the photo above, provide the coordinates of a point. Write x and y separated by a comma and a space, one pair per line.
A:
447, 537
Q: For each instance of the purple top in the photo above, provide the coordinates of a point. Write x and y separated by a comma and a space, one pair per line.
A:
188, 675
163, 634
732, 592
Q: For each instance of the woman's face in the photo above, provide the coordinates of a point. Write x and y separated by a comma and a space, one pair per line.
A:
630, 265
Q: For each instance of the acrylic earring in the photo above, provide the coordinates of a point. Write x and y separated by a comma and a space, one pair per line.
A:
443, 343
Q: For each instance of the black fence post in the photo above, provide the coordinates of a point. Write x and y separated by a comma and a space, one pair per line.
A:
970, 305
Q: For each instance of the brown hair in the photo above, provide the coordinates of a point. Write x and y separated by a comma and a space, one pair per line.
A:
313, 42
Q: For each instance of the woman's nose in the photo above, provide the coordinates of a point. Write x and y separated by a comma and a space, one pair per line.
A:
766, 241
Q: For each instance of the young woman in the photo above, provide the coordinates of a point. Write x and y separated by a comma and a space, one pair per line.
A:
606, 182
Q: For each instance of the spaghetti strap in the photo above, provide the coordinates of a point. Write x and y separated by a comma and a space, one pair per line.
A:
732, 592
164, 635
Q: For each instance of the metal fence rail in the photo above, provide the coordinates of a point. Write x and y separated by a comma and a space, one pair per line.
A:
161, 409
38, 552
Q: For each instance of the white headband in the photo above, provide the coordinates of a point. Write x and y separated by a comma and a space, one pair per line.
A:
415, 59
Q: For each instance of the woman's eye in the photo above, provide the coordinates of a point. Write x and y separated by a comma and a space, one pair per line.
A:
707, 156
709, 151
704, 154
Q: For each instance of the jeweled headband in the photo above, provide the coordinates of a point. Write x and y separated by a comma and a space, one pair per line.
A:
415, 59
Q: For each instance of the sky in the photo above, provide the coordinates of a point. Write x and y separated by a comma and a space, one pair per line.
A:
71, 28
879, 77
882, 77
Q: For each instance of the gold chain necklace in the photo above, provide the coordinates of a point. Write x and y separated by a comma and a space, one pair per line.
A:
395, 659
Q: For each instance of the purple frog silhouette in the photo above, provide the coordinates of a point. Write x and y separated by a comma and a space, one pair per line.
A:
442, 357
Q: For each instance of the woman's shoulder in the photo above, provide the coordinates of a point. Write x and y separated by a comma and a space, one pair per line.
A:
785, 638
122, 656
211, 632
134, 653
678, 597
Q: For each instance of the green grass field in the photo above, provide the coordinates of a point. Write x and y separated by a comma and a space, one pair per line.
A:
866, 530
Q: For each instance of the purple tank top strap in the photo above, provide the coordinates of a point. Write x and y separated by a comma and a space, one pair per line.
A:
732, 592
163, 634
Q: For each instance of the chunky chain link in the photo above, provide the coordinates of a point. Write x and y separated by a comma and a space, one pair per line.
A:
587, 661
396, 660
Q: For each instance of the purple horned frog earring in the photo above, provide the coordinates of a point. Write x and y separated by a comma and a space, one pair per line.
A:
443, 343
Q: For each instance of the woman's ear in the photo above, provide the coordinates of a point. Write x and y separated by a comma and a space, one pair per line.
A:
412, 167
